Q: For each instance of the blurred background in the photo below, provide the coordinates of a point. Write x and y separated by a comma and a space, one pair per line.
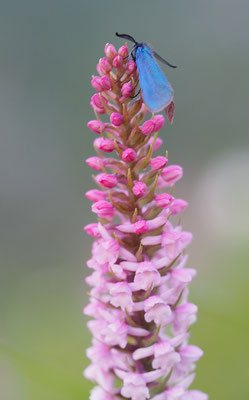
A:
49, 51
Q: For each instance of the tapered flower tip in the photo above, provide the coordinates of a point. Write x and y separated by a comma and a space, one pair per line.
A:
158, 163
172, 174
95, 163
105, 65
159, 121
110, 51
96, 126
117, 62
123, 51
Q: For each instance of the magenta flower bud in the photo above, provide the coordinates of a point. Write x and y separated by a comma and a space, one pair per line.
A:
127, 90
139, 189
107, 180
163, 200
131, 67
159, 122
110, 51
148, 127
105, 65
117, 62
96, 103
96, 126
158, 163
123, 51
116, 119
178, 206
106, 145
92, 230
95, 163
129, 155
106, 82
172, 174
140, 227
103, 209
96, 83
158, 143
95, 195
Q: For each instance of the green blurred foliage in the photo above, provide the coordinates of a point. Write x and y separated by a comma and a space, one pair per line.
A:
49, 52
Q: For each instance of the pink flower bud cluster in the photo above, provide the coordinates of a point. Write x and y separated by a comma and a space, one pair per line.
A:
139, 282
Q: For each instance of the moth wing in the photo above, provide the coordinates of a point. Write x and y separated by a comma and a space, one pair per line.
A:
156, 90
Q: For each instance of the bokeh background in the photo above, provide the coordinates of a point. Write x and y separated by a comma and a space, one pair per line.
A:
49, 51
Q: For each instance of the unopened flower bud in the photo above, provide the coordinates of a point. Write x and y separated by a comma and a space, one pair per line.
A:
92, 230
140, 227
97, 101
163, 200
106, 82
123, 51
96, 83
117, 62
107, 180
96, 126
139, 189
158, 163
158, 121
129, 155
116, 119
148, 127
158, 143
103, 209
105, 65
95, 163
110, 51
95, 195
131, 67
172, 174
106, 145
127, 90
178, 206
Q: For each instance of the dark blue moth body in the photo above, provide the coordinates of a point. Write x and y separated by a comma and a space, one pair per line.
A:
156, 90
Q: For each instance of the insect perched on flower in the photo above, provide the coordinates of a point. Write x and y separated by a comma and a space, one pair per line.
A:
156, 90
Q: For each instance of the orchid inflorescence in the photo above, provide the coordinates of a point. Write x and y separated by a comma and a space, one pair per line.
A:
139, 284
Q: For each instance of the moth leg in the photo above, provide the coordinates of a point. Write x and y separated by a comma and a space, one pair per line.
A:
133, 97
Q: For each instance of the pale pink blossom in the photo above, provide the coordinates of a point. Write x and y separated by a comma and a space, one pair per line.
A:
135, 387
146, 276
157, 310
